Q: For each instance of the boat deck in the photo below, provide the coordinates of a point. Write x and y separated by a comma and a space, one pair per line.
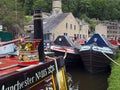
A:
8, 65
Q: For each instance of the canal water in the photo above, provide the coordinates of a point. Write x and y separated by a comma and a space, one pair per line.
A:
86, 80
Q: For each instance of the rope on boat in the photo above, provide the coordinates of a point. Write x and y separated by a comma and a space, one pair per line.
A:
56, 66
65, 55
111, 59
71, 87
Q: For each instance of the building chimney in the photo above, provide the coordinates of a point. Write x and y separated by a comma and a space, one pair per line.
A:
38, 32
56, 7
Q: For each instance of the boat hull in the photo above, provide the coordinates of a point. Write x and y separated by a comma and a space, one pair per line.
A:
95, 61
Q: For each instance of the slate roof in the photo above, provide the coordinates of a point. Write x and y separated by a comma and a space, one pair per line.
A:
51, 22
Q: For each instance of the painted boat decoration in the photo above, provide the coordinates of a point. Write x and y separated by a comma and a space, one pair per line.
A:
65, 47
95, 54
28, 52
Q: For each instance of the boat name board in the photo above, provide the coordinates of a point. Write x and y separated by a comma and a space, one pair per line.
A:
96, 48
25, 80
102, 49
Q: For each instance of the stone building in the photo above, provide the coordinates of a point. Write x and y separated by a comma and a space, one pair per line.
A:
59, 23
108, 29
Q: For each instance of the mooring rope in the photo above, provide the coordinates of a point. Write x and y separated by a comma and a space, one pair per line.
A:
54, 60
65, 55
110, 59
56, 66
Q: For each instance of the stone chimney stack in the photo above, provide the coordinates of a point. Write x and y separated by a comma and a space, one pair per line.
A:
56, 7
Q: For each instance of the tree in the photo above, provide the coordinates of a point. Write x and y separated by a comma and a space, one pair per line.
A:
113, 9
99, 9
11, 13
68, 5
44, 5
28, 6
104, 9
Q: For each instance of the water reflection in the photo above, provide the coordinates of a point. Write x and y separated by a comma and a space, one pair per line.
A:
88, 81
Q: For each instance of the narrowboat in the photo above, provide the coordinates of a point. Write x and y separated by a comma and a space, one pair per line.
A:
65, 47
96, 54
43, 75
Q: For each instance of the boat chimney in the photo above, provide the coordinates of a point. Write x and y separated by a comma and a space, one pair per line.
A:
38, 32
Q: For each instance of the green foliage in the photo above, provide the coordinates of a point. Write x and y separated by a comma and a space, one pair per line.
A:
99, 9
114, 79
28, 19
69, 5
6, 11
28, 6
11, 13
117, 55
44, 5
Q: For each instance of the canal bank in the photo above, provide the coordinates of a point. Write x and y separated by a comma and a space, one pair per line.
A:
114, 78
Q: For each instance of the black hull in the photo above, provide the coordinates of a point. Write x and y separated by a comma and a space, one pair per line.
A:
95, 61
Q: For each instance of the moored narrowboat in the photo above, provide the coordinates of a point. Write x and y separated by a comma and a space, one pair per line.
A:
97, 54
65, 47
